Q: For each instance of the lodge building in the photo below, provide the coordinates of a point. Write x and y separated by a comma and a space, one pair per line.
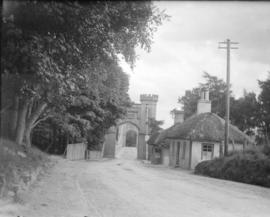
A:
198, 138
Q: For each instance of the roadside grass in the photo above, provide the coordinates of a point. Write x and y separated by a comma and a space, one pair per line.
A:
250, 166
19, 167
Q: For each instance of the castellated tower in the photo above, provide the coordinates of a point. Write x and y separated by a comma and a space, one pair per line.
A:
148, 109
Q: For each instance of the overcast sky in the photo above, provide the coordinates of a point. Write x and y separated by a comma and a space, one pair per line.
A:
187, 45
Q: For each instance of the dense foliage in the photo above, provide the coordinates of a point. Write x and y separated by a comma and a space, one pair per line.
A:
60, 65
264, 101
250, 166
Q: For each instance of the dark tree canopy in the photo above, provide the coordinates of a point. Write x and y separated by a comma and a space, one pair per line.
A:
264, 100
245, 112
155, 125
60, 61
217, 91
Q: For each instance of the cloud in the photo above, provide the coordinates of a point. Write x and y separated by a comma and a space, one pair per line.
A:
188, 45
245, 22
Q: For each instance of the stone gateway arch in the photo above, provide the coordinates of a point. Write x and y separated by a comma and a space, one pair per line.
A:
133, 130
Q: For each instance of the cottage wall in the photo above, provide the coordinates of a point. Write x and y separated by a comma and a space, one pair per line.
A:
183, 154
216, 150
172, 153
184, 159
193, 152
165, 157
196, 154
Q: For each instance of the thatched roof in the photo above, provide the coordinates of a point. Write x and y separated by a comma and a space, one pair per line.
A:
205, 127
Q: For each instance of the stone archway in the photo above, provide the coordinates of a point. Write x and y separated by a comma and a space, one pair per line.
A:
135, 120
127, 134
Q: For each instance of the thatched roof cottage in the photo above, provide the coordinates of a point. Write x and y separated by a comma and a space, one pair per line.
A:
198, 138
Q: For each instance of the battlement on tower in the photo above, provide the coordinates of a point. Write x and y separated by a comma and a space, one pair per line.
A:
149, 97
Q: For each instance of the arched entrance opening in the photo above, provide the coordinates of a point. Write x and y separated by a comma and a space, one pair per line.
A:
127, 134
131, 138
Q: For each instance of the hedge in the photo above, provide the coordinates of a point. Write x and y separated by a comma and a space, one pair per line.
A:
250, 166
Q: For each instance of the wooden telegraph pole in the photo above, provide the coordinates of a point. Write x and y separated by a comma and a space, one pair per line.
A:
147, 129
228, 47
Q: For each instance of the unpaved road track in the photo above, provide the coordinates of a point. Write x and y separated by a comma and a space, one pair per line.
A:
129, 188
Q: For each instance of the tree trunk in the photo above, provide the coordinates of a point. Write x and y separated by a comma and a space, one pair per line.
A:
21, 123
31, 121
27, 136
14, 118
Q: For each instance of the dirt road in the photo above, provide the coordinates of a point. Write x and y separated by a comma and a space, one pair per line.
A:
129, 188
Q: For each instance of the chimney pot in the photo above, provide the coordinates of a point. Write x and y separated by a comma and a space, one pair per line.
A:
178, 116
204, 104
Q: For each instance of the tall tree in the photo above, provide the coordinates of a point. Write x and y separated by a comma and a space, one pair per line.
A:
189, 101
217, 90
264, 100
155, 125
54, 51
245, 112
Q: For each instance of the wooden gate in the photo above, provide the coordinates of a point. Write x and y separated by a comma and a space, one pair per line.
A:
76, 151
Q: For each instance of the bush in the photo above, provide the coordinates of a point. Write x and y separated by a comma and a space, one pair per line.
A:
251, 166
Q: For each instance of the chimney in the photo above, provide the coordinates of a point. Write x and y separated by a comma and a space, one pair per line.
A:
178, 115
204, 104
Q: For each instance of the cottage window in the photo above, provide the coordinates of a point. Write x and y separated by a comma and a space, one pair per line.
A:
207, 151
184, 150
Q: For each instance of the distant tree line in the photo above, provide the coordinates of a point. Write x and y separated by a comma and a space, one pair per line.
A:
61, 79
250, 113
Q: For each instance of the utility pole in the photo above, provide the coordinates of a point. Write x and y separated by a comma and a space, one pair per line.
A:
147, 129
228, 46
